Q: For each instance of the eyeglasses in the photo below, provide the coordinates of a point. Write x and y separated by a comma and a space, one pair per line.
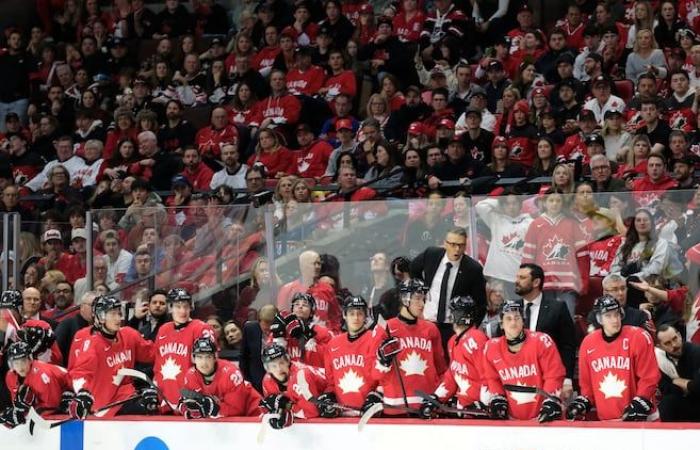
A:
456, 244
600, 168
254, 179
62, 291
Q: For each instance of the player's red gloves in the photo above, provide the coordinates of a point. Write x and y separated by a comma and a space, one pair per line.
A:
81, 405
278, 328
388, 350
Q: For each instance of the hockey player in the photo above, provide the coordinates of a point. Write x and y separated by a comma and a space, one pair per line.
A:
305, 341
412, 347
41, 340
291, 389
465, 348
618, 373
107, 349
222, 390
10, 318
525, 358
31, 383
349, 360
173, 345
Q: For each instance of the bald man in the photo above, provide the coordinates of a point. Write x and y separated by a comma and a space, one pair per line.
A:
31, 304
309, 271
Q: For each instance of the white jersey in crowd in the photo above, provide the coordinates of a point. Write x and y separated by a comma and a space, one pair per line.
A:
234, 180
507, 240
73, 164
87, 175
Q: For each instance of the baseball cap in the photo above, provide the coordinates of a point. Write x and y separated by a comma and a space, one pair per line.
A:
687, 160
416, 128
586, 114
117, 42
304, 127
385, 20
472, 110
495, 65
565, 58
568, 82
499, 141
446, 123
51, 235
78, 233
538, 91
215, 41
594, 138
366, 8
477, 90
605, 213
612, 112
11, 116
302, 51
343, 124
289, 32
323, 30
457, 140
525, 8
180, 180
437, 72
595, 56
601, 79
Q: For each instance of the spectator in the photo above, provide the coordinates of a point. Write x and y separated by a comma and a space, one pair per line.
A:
277, 159
66, 329
601, 175
31, 304
545, 159
313, 155
196, 171
176, 133
603, 100
66, 158
253, 336
657, 130
14, 93
340, 29
233, 174
646, 57
615, 286
309, 271
649, 188
157, 166
340, 80
232, 342
118, 260
63, 303
386, 173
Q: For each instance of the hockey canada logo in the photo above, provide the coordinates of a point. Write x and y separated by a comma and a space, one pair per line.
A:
512, 241
516, 151
556, 249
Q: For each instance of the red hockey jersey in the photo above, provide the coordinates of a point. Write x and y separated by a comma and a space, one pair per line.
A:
48, 382
305, 384
602, 253
349, 367
173, 356
421, 361
100, 359
280, 160
611, 374
209, 140
557, 245
328, 311
313, 160
313, 351
307, 82
537, 364
574, 147
237, 397
200, 177
648, 193
265, 58
463, 377
343, 83
408, 30
281, 110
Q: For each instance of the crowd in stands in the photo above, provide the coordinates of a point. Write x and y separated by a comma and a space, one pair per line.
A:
576, 143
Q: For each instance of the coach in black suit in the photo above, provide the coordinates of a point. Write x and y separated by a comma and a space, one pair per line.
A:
254, 334
545, 314
448, 272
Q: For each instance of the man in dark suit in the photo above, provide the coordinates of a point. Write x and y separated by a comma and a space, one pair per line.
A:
615, 285
449, 273
680, 390
545, 314
254, 335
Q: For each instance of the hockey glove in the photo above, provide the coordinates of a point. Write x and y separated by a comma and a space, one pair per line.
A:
429, 407
278, 328
309, 332
578, 408
388, 350
498, 408
372, 399
328, 406
276, 403
81, 405
296, 328
66, 398
25, 397
149, 400
285, 419
190, 408
550, 410
11, 417
638, 410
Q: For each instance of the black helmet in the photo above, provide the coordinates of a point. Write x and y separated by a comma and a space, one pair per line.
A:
38, 339
179, 295
11, 299
18, 350
272, 352
102, 304
410, 287
306, 297
355, 302
512, 306
606, 303
204, 345
463, 310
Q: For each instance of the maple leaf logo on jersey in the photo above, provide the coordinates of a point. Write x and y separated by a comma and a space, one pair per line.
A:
677, 121
516, 150
463, 384
611, 386
351, 382
413, 364
170, 370
648, 200
522, 398
310, 345
116, 380
556, 249
301, 387
512, 241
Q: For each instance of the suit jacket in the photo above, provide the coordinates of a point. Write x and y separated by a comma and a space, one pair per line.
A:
251, 349
470, 276
554, 319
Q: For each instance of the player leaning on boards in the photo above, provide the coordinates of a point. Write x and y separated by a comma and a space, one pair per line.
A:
215, 388
523, 358
618, 373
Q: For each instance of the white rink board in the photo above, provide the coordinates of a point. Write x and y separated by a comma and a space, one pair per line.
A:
108, 435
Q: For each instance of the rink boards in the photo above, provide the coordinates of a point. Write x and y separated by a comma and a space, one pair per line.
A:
385, 434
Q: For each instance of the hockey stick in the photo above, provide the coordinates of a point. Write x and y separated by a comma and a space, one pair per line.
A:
530, 390
264, 425
398, 371
471, 412
44, 424
371, 412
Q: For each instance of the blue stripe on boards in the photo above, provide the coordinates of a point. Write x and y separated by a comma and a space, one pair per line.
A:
72, 435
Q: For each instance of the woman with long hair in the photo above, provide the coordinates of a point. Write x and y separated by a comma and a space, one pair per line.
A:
668, 25
615, 136
378, 109
258, 294
527, 79
240, 45
386, 166
643, 20
510, 97
276, 158
646, 57
545, 158
415, 174
390, 90
241, 109
501, 165
634, 160
563, 178
119, 164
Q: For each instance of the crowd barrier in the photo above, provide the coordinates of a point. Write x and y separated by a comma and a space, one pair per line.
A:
342, 434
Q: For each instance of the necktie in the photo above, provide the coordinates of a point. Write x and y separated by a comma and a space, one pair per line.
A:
528, 309
443, 294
